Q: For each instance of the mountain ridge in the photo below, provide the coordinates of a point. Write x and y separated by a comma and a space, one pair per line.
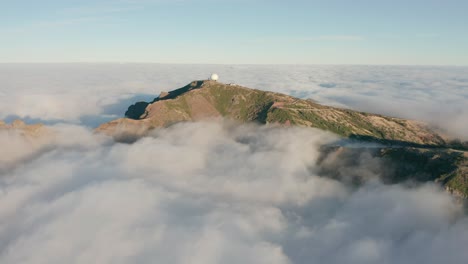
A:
414, 151
202, 100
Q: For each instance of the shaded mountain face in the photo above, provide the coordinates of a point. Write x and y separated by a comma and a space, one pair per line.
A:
402, 165
201, 100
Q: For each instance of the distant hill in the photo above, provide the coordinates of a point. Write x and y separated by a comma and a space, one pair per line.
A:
35, 130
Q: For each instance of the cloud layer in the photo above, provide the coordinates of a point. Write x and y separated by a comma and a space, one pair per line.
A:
93, 93
212, 193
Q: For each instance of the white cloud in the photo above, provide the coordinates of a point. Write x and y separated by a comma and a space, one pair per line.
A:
427, 35
337, 38
213, 193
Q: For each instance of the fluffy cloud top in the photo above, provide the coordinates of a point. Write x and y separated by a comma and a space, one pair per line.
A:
211, 193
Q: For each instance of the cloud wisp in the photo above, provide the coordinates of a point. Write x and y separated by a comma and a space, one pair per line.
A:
323, 38
212, 193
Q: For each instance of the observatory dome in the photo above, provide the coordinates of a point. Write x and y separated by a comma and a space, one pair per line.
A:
214, 77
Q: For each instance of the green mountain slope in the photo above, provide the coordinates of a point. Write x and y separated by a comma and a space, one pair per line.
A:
202, 100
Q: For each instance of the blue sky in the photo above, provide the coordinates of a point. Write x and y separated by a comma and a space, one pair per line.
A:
239, 31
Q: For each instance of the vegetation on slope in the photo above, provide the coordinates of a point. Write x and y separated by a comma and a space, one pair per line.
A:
202, 99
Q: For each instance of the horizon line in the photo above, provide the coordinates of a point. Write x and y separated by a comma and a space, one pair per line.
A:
249, 64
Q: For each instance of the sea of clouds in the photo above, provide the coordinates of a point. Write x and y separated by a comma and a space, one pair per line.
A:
213, 192
90, 94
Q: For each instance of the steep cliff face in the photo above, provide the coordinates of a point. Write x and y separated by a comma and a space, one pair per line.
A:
202, 100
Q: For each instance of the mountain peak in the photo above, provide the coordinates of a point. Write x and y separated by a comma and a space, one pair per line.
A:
209, 99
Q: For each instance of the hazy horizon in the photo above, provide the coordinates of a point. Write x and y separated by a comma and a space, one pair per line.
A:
242, 64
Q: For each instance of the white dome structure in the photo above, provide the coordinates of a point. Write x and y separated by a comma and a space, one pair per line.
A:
214, 77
